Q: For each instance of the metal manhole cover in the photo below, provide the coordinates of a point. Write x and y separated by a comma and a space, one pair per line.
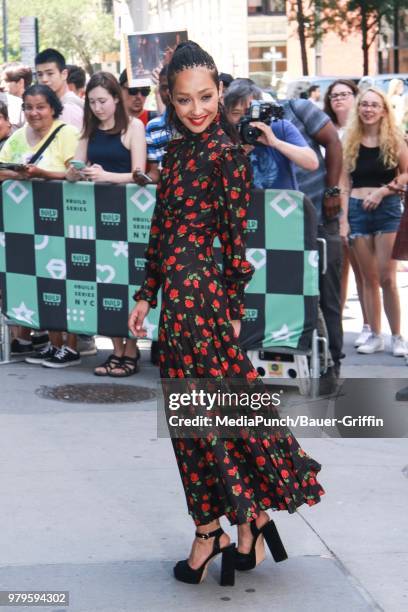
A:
103, 393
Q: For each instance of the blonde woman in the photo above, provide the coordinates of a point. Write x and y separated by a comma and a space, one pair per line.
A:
374, 154
396, 99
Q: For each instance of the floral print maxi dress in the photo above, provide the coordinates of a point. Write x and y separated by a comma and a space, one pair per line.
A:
204, 192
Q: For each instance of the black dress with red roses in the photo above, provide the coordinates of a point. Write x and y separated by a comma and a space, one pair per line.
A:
204, 192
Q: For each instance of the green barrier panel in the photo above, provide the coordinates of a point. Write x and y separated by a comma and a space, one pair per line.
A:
72, 255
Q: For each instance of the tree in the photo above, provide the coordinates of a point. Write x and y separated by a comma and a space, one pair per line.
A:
315, 18
82, 31
367, 16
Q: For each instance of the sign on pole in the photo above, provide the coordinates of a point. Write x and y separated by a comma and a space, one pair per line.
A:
147, 52
28, 40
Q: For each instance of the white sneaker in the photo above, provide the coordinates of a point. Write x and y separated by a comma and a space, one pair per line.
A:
363, 336
373, 344
398, 346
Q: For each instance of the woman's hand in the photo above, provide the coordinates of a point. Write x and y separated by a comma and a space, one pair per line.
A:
344, 229
95, 173
73, 175
140, 179
136, 318
374, 199
267, 137
236, 326
399, 183
32, 171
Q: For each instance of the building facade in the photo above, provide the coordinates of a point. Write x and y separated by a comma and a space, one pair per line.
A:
252, 38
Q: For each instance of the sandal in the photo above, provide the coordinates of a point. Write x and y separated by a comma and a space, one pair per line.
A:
112, 362
128, 365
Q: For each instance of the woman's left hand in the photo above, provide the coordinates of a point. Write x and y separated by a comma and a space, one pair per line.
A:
373, 200
95, 173
236, 326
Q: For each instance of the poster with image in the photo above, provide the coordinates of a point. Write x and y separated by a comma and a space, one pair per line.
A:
147, 52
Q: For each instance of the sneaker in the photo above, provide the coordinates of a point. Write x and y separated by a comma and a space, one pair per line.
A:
398, 346
373, 344
63, 358
40, 340
363, 336
42, 354
86, 346
17, 347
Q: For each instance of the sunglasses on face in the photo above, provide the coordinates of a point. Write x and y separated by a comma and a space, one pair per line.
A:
134, 91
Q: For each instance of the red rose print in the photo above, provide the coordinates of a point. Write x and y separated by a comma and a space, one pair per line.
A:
195, 336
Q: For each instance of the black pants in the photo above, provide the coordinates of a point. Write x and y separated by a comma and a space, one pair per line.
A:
330, 285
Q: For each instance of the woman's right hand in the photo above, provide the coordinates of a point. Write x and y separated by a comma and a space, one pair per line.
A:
137, 317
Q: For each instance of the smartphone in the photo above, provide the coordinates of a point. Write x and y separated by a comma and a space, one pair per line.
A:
77, 164
146, 177
12, 166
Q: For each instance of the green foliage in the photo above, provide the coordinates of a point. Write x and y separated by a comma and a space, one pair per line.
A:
80, 29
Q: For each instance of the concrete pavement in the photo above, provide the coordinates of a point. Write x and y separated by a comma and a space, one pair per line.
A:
91, 502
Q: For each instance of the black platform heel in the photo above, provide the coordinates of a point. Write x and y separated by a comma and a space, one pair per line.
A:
185, 573
247, 561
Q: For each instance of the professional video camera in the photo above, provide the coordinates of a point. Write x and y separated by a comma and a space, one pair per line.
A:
258, 111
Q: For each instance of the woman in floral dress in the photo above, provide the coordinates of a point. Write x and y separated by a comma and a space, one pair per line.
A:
204, 192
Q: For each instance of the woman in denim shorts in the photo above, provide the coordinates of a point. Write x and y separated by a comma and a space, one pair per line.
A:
374, 153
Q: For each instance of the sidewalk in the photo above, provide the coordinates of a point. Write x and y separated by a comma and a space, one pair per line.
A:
91, 502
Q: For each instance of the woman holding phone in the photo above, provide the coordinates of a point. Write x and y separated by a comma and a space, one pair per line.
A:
112, 146
374, 154
42, 148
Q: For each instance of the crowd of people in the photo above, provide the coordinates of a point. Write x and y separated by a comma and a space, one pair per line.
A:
345, 157
350, 161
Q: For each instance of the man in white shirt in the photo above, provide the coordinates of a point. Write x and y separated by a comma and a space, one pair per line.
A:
15, 111
51, 70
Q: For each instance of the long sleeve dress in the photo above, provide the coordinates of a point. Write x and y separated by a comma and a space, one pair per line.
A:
204, 192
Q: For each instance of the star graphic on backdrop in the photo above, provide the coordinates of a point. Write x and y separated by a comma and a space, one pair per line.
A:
22, 313
283, 333
120, 248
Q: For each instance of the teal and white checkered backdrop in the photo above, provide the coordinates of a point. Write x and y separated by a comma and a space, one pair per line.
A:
72, 256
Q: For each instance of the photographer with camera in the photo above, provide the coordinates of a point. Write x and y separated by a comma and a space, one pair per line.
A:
275, 145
